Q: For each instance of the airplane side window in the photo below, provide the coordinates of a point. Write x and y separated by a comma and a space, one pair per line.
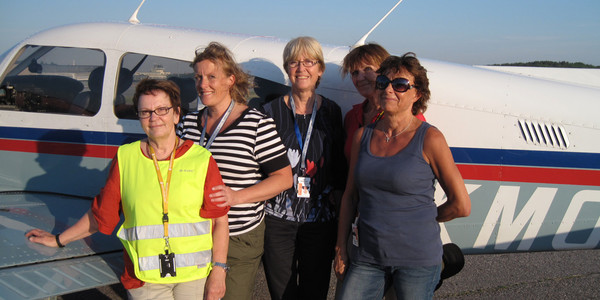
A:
135, 67
57, 80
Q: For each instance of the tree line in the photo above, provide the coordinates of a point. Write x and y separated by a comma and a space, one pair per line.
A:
550, 64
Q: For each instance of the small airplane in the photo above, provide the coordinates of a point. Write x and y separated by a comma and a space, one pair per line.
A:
528, 148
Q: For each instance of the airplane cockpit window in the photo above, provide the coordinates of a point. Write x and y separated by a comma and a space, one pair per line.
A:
135, 67
58, 80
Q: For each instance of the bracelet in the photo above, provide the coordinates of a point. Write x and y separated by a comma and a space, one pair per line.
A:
221, 265
58, 241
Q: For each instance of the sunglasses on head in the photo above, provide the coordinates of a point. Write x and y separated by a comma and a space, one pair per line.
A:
399, 85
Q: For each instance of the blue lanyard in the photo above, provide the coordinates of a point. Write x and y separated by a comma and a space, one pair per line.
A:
304, 146
218, 128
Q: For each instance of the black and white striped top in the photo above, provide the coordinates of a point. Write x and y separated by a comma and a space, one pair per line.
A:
246, 152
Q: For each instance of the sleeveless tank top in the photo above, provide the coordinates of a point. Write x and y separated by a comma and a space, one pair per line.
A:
397, 225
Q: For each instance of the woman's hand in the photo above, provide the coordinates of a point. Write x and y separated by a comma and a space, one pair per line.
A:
225, 195
42, 237
83, 228
340, 263
215, 284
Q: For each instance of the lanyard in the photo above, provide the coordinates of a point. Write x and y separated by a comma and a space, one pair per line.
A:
378, 117
218, 128
304, 146
164, 186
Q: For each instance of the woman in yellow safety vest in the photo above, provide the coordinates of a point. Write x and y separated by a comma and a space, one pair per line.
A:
176, 240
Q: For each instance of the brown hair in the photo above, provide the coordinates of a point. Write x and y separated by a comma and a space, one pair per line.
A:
221, 56
370, 53
411, 64
149, 87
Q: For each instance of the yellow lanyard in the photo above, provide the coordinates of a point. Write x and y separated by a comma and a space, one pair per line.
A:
164, 186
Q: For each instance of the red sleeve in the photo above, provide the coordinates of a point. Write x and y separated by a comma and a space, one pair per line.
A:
128, 278
107, 205
351, 124
209, 209
106, 209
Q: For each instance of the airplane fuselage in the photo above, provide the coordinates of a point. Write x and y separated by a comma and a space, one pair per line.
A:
528, 149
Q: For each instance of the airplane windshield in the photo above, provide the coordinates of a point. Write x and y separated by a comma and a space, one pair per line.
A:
59, 80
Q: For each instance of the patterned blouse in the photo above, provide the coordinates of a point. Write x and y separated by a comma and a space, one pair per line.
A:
325, 162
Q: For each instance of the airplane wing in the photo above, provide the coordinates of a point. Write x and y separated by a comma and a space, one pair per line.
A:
32, 271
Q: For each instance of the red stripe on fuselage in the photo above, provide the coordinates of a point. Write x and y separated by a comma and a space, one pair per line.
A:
469, 172
85, 150
530, 174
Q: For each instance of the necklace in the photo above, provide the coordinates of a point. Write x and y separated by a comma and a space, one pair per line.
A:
388, 138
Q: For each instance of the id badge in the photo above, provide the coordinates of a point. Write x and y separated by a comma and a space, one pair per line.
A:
167, 264
303, 187
355, 232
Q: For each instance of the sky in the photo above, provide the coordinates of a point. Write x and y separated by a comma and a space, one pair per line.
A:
474, 32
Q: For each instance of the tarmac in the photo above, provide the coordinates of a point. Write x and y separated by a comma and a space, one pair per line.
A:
573, 274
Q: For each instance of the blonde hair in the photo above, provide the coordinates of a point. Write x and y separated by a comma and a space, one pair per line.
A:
221, 56
304, 45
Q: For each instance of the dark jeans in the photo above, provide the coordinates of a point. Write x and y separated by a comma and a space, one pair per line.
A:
298, 258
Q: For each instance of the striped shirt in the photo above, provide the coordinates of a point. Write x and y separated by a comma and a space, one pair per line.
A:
246, 152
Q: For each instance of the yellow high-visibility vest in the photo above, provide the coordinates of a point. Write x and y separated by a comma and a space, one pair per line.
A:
142, 232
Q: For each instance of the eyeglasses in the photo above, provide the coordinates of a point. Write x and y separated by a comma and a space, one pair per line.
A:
399, 85
161, 111
306, 63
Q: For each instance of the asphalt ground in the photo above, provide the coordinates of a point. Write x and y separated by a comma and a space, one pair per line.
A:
534, 275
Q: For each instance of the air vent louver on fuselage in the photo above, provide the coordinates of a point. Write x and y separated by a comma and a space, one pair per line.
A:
540, 133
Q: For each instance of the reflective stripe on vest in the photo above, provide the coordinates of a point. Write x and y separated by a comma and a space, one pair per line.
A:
157, 231
198, 259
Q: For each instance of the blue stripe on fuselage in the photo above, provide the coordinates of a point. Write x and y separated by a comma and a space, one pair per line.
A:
552, 159
69, 136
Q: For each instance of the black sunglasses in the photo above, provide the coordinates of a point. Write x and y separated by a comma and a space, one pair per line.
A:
399, 85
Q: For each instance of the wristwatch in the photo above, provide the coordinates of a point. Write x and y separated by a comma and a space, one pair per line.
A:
222, 265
